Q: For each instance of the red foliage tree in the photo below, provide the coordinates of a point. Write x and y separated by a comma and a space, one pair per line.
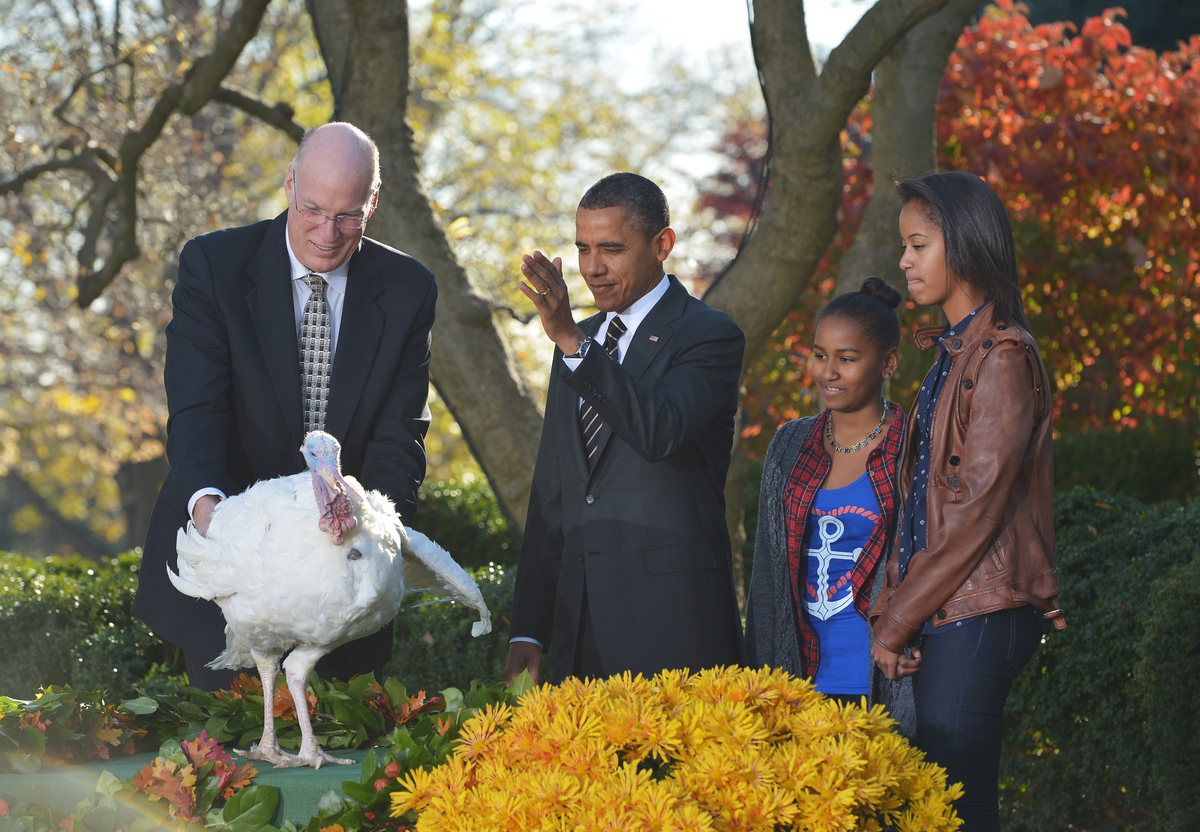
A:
1091, 142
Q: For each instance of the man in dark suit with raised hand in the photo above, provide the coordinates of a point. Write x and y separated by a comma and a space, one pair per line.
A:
281, 327
625, 562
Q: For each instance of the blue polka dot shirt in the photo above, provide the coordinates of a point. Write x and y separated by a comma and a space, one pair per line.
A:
916, 508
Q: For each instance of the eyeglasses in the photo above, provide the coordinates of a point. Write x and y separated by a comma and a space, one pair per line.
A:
346, 222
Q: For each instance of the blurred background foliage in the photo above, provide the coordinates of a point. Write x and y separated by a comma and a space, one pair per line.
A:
508, 141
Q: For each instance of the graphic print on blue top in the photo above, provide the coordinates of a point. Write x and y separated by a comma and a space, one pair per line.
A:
839, 526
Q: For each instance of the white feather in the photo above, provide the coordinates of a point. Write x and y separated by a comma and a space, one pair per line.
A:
282, 583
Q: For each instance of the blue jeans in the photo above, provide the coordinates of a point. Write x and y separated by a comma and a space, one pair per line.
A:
965, 678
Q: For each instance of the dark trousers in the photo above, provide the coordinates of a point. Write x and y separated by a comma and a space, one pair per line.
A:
587, 654
966, 675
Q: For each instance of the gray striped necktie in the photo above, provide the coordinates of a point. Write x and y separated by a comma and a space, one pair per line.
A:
589, 418
315, 351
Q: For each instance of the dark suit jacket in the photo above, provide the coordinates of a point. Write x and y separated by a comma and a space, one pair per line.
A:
646, 525
233, 391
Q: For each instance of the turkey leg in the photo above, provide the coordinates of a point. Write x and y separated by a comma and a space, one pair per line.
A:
297, 667
267, 749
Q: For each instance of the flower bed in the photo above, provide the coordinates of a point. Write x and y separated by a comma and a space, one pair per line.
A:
726, 749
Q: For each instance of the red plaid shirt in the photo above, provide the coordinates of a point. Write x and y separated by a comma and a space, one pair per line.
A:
809, 472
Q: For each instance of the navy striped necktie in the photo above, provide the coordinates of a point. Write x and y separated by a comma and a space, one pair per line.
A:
589, 418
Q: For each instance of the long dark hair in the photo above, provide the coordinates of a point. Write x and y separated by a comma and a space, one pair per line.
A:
977, 234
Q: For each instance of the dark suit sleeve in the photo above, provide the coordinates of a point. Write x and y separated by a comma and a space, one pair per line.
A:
542, 543
394, 462
197, 380
700, 387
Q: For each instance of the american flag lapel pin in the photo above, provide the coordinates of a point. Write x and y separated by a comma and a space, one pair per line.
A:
653, 337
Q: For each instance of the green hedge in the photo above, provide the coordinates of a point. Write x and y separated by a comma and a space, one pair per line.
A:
1150, 462
68, 621
1102, 729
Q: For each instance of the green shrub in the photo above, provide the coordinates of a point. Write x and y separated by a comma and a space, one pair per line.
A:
1082, 739
1149, 463
434, 648
467, 522
68, 621
1167, 675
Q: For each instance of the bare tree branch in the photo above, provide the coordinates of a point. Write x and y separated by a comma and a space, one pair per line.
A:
82, 161
59, 112
198, 88
277, 115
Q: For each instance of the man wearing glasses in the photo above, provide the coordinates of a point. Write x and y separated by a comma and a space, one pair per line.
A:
281, 327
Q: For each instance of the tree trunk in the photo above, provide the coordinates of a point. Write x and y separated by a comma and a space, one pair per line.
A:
807, 112
903, 138
365, 47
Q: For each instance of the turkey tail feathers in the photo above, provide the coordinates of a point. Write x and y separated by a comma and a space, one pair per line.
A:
191, 553
427, 566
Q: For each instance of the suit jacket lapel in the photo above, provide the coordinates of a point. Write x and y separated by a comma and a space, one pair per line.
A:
361, 328
273, 313
659, 322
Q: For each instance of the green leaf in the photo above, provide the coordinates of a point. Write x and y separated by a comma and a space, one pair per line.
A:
520, 685
108, 784
141, 705
396, 693
359, 791
454, 699
332, 802
251, 808
100, 819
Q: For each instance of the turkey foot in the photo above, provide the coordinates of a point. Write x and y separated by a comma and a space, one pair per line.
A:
272, 754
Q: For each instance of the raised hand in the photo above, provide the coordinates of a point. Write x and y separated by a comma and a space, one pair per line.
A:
545, 286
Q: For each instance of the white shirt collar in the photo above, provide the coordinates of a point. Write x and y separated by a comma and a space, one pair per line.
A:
637, 311
336, 278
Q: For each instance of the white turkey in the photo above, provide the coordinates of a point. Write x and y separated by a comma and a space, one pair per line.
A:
307, 563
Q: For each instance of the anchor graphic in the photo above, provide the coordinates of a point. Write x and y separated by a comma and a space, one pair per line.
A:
831, 530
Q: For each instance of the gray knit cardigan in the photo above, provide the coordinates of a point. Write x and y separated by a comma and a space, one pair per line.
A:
771, 635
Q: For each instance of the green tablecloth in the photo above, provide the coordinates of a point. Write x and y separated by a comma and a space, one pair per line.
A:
61, 787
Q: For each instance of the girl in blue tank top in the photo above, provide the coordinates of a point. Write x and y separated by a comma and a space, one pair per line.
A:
828, 503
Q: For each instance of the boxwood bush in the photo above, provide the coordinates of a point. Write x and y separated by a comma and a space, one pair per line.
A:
1103, 723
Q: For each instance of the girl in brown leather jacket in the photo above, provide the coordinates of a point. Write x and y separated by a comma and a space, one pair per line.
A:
972, 580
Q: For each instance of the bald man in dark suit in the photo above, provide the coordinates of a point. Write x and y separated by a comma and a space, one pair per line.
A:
238, 409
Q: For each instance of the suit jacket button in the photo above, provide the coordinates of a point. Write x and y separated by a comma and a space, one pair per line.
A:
955, 460
956, 343
589, 499
941, 614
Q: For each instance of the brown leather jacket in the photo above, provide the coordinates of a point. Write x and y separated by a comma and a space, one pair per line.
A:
990, 544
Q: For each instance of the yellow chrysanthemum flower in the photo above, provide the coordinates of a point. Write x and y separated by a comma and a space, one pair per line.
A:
724, 749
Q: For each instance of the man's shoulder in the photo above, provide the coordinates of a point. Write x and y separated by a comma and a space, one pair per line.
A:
375, 254
238, 238
707, 323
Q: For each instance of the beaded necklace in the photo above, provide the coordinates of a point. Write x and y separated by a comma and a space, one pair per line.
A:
862, 444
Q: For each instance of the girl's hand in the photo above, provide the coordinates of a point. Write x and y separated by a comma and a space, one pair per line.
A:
896, 665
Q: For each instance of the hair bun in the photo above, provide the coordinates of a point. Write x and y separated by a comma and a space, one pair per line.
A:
878, 288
